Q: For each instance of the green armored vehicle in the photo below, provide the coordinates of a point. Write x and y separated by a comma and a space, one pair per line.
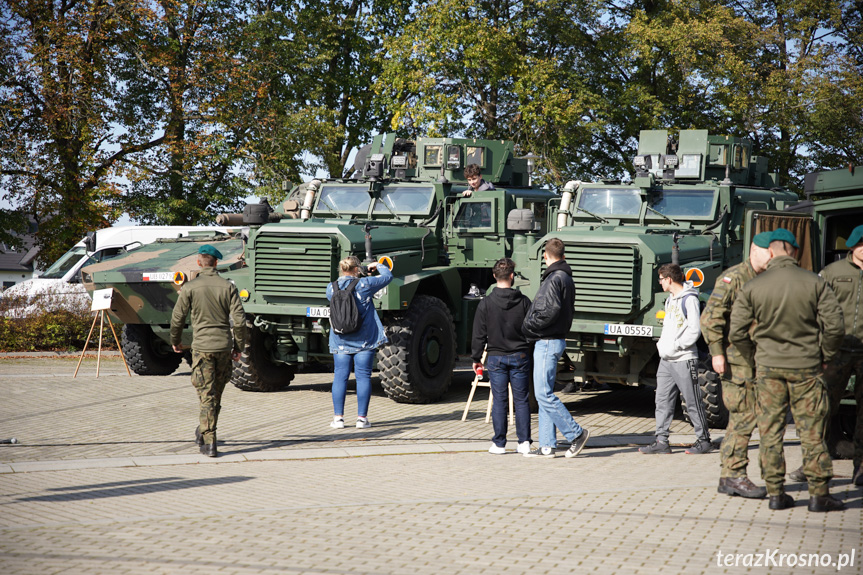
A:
687, 204
404, 202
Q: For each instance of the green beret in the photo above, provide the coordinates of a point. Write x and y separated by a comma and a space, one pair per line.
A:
762, 240
209, 250
783, 235
855, 238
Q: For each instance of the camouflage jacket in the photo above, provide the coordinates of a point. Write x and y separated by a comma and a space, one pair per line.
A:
212, 302
798, 320
717, 313
846, 279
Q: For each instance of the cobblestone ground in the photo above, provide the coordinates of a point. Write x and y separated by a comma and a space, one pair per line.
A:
122, 490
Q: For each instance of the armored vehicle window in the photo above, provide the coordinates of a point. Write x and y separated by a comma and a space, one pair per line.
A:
106, 254
614, 201
683, 202
475, 155
474, 215
433, 156
66, 262
405, 200
344, 199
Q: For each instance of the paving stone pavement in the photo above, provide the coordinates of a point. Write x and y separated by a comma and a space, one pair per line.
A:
106, 479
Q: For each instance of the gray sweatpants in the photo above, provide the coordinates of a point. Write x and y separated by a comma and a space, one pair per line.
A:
673, 378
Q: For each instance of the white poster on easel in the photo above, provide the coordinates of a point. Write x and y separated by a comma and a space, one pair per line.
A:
102, 299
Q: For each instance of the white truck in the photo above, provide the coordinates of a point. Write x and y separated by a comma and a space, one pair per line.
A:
60, 286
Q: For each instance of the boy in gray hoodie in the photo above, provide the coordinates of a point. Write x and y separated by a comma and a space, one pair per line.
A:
678, 362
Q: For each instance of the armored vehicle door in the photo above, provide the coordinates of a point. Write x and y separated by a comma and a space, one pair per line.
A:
800, 224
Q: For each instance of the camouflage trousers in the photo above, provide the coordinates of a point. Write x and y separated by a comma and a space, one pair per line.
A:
836, 375
738, 395
210, 373
804, 391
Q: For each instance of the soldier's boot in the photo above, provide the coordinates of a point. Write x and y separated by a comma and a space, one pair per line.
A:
199, 439
209, 449
741, 486
797, 475
824, 503
781, 501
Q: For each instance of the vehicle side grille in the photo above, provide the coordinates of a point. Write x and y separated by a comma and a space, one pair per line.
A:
294, 265
604, 276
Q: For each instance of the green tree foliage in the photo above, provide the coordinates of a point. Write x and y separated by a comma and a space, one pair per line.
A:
783, 73
315, 65
576, 81
58, 150
178, 71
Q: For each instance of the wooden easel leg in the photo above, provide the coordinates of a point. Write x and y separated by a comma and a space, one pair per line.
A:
488, 409
470, 397
85, 346
116, 339
101, 327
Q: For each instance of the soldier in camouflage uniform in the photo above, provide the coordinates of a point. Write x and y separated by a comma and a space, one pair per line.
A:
846, 279
798, 328
738, 379
213, 302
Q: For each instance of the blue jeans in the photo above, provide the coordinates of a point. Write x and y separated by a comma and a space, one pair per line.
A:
503, 371
362, 365
553, 414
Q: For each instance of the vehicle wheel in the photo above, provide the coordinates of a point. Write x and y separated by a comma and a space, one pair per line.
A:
711, 398
146, 353
417, 364
254, 371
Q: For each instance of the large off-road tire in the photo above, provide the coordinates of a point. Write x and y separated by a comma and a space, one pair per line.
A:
146, 353
711, 397
255, 371
417, 364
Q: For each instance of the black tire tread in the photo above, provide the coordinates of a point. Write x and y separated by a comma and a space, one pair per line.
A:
394, 359
250, 373
137, 343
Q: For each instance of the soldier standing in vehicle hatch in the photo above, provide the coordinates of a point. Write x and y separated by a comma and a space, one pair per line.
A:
738, 378
212, 301
798, 327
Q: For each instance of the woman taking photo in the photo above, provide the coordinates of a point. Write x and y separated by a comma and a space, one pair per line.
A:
355, 351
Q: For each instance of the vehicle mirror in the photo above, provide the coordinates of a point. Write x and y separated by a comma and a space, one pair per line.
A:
90, 242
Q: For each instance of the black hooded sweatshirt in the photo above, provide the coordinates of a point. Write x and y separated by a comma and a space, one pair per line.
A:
498, 322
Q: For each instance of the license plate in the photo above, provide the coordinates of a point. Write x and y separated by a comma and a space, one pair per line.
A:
631, 330
317, 312
158, 276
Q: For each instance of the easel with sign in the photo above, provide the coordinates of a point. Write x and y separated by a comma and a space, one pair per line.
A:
101, 303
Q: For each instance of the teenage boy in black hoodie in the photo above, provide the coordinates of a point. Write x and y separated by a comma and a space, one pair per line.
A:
497, 326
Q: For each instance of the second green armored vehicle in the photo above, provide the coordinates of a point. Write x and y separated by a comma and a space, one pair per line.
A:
404, 202
687, 204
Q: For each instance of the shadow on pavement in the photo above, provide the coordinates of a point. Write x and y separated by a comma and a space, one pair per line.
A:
157, 485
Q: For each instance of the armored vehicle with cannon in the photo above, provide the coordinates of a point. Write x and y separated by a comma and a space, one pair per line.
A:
688, 203
404, 202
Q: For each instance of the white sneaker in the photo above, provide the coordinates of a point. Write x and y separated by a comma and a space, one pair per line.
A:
337, 423
363, 422
523, 447
495, 450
